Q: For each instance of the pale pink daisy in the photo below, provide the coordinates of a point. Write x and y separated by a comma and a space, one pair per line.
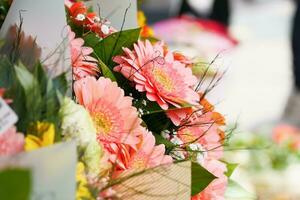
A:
165, 80
114, 117
82, 63
11, 142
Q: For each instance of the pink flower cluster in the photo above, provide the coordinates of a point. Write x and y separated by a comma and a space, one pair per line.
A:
166, 78
200, 135
130, 146
11, 142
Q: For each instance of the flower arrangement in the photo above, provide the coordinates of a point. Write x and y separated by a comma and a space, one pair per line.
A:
135, 106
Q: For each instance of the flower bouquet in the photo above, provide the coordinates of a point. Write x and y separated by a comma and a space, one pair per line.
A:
135, 110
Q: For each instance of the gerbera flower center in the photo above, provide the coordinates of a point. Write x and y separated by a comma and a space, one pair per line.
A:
163, 79
139, 163
102, 123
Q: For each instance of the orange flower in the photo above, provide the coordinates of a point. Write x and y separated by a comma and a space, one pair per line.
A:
218, 118
207, 106
147, 31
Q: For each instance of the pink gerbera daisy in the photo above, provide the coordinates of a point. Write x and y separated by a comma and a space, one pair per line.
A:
204, 135
11, 142
114, 117
83, 64
148, 155
165, 80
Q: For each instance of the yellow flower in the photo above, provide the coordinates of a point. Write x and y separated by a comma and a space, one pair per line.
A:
146, 31
141, 18
40, 134
82, 189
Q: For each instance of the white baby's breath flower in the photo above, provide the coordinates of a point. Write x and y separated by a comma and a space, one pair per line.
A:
178, 155
194, 147
77, 123
105, 29
175, 140
80, 17
95, 159
200, 153
166, 134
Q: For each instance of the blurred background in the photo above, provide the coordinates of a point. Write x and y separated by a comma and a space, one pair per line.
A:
250, 40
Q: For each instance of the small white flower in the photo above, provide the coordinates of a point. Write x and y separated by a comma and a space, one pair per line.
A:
179, 155
165, 134
200, 158
200, 152
105, 29
144, 102
175, 140
80, 17
107, 22
194, 147
96, 19
77, 123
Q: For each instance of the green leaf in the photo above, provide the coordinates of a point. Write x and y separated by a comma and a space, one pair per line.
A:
6, 72
41, 76
60, 83
15, 184
160, 140
201, 178
112, 45
106, 72
33, 96
15, 91
151, 107
230, 168
157, 122
236, 192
